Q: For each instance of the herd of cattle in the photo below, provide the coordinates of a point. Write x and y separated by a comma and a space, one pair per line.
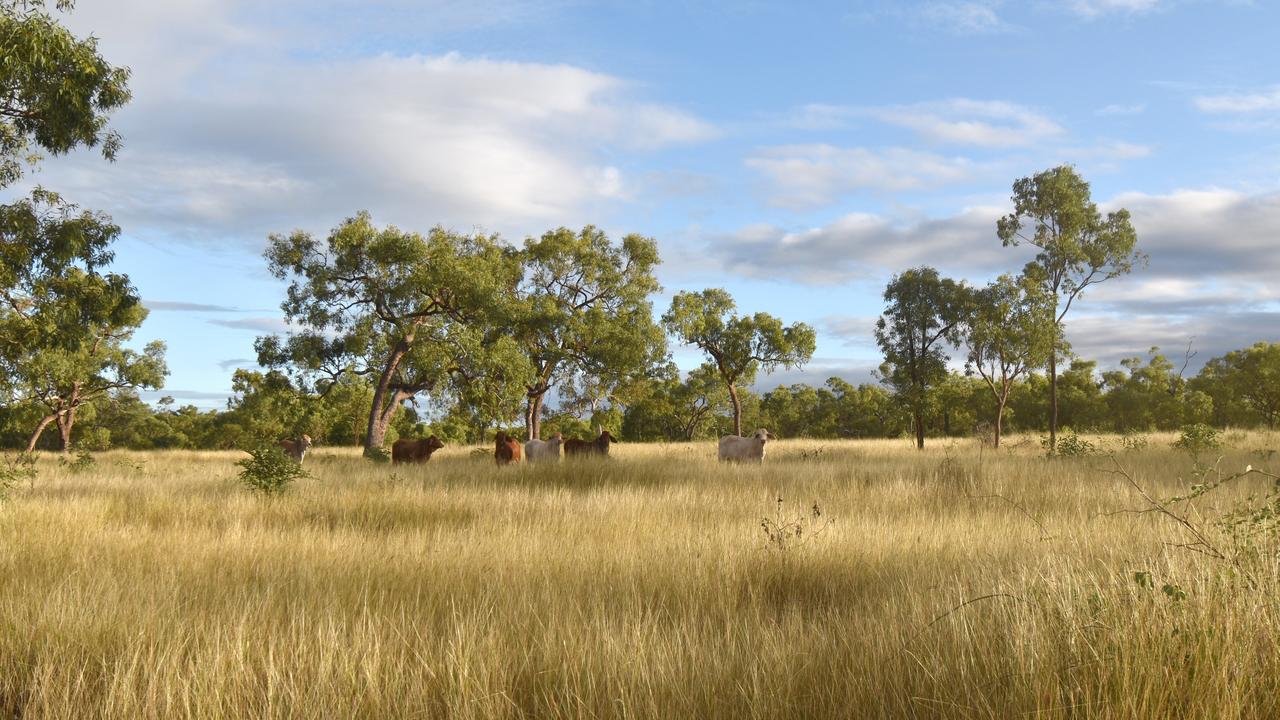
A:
508, 449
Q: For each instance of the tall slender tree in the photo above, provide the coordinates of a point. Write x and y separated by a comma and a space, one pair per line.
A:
1078, 248
738, 346
1007, 337
923, 313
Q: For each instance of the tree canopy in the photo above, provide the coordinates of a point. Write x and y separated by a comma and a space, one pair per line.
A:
738, 346
584, 314
415, 314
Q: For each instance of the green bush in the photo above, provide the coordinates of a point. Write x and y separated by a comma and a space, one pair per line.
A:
16, 469
1070, 445
1198, 438
268, 470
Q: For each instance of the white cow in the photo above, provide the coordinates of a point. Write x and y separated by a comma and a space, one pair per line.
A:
543, 451
745, 449
296, 449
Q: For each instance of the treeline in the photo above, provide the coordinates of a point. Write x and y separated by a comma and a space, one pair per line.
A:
396, 332
1240, 389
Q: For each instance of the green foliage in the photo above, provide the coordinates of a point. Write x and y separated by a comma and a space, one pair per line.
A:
923, 312
584, 314
58, 90
738, 346
64, 322
1078, 248
419, 314
268, 470
1244, 385
20, 468
1198, 438
84, 461
1069, 445
1008, 336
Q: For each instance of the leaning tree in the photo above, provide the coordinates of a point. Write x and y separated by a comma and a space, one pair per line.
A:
738, 345
416, 315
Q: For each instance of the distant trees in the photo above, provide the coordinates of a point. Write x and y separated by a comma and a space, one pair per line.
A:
1244, 384
738, 346
584, 312
1054, 212
414, 314
923, 314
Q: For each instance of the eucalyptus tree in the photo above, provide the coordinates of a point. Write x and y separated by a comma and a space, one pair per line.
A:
56, 90
63, 319
923, 313
416, 315
1007, 337
584, 316
1078, 248
1245, 384
738, 346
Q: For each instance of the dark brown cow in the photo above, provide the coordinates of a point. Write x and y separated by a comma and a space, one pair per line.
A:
506, 449
407, 450
599, 446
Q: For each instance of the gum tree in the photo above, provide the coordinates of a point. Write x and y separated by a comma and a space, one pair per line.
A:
1007, 337
738, 346
923, 313
415, 315
1078, 248
584, 314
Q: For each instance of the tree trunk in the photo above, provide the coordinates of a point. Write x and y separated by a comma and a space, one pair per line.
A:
533, 416
999, 422
1053, 401
35, 435
737, 410
65, 422
919, 420
379, 419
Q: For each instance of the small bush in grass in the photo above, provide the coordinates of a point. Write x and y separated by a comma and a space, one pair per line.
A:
1198, 438
1134, 441
17, 469
269, 471
84, 461
1070, 445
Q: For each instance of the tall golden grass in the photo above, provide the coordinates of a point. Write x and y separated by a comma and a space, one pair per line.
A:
953, 582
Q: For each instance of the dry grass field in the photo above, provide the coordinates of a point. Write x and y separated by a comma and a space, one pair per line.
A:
155, 586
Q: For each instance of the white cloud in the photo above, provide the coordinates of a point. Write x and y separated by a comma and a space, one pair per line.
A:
1221, 241
964, 17
801, 176
1121, 109
1096, 8
1235, 103
962, 121
240, 136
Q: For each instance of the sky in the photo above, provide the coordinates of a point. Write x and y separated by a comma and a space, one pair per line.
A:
796, 154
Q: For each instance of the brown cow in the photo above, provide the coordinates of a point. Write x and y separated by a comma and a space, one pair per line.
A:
296, 449
407, 450
599, 446
506, 449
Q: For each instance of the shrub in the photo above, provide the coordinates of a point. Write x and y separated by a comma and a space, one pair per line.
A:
1070, 445
16, 469
1198, 438
269, 471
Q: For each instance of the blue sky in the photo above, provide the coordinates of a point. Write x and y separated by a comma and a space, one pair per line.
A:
795, 154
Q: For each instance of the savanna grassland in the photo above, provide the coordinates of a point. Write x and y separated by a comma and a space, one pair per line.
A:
152, 585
